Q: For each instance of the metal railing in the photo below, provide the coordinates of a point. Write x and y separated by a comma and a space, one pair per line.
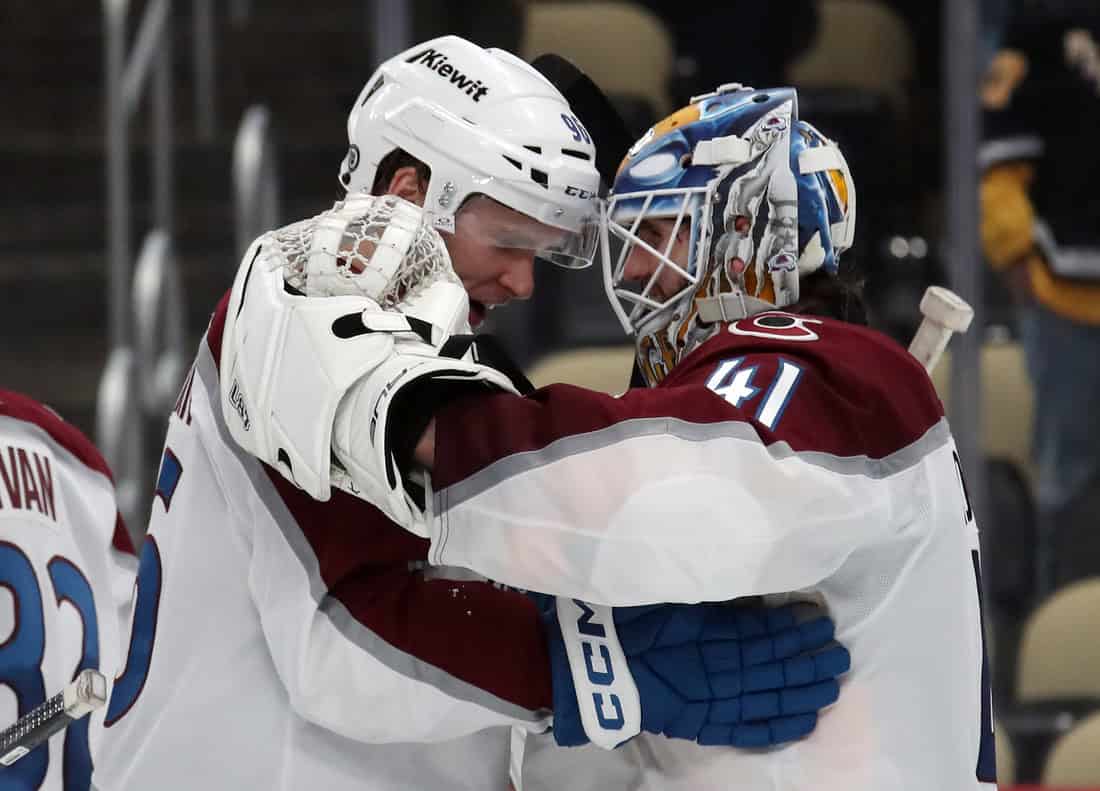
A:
146, 330
202, 44
390, 23
140, 382
961, 242
146, 325
119, 410
255, 178
160, 341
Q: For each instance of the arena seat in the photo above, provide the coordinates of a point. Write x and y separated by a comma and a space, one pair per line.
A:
1008, 403
1074, 760
860, 45
1060, 646
1006, 758
634, 62
603, 368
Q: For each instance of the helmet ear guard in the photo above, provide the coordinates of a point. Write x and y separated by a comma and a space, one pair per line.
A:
828, 158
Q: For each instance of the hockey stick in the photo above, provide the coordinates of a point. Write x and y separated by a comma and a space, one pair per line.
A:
609, 132
86, 693
945, 312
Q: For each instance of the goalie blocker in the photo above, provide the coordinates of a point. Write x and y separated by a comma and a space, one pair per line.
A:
336, 391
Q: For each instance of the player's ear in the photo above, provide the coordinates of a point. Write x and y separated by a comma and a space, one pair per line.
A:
406, 183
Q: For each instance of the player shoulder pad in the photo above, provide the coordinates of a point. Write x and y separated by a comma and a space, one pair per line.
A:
286, 362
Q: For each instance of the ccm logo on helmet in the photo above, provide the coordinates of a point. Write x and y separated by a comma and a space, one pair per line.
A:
437, 62
603, 676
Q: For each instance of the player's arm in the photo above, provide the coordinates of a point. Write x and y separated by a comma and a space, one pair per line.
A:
669, 494
385, 652
388, 651
1011, 107
424, 657
366, 643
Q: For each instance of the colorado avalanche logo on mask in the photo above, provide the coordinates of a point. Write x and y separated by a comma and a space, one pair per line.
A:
760, 215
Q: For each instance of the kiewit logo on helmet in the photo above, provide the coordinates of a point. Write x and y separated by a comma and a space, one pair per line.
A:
437, 62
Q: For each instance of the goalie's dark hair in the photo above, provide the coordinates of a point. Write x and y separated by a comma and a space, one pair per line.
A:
837, 296
391, 163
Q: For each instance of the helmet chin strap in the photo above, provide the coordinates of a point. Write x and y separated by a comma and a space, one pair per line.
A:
730, 307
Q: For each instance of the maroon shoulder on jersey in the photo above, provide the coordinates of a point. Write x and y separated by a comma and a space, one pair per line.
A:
68, 436
487, 636
216, 327
815, 384
858, 392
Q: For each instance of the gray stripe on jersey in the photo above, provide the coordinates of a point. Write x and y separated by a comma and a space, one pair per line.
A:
510, 466
396, 660
1009, 149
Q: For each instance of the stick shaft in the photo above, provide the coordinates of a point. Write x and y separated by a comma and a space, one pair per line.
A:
929, 342
86, 693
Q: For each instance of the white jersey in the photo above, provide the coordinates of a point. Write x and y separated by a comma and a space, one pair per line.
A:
284, 643
66, 573
787, 454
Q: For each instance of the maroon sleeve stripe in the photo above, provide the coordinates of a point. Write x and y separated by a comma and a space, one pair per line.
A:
65, 434
120, 539
858, 395
216, 327
69, 437
477, 431
484, 635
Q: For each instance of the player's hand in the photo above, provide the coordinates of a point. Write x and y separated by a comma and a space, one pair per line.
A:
715, 674
334, 322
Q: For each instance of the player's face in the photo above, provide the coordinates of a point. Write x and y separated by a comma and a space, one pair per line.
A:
641, 264
493, 253
491, 275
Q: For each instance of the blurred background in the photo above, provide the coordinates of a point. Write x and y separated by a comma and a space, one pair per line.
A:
144, 144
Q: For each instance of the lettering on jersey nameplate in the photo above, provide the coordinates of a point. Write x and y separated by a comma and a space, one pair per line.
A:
437, 62
777, 326
26, 482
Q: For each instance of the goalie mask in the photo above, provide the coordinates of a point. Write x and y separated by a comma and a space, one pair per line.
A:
755, 199
487, 124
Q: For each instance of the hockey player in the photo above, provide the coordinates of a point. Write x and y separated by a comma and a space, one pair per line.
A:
778, 446
67, 571
287, 634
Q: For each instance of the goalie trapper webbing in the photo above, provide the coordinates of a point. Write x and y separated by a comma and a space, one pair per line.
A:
379, 247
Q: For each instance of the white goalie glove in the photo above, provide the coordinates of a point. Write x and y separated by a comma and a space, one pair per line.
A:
330, 322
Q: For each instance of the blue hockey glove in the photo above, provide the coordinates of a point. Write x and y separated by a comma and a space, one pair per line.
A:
715, 674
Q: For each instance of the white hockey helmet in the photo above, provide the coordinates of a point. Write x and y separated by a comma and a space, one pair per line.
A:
486, 123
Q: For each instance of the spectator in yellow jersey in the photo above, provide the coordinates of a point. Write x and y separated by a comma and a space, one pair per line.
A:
1041, 228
